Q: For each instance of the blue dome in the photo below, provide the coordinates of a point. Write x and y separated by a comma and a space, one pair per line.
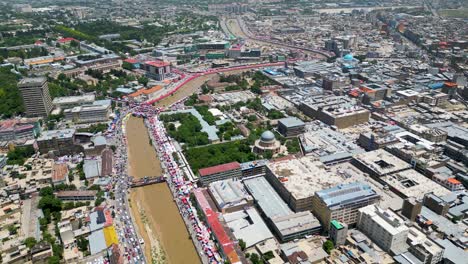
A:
267, 136
348, 57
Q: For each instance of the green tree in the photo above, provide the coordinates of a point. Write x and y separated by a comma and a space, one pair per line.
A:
12, 230
328, 246
46, 191
50, 203
54, 260
143, 81
30, 242
255, 259
242, 244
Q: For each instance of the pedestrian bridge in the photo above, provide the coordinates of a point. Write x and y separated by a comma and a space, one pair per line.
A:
147, 180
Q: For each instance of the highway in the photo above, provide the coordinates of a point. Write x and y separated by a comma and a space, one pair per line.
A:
236, 27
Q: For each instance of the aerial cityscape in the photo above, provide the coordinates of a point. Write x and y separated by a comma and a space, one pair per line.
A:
229, 132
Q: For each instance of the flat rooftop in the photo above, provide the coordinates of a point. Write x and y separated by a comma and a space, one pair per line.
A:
324, 142
267, 198
335, 106
253, 164
388, 199
387, 219
86, 108
50, 134
411, 183
296, 222
31, 81
79, 99
304, 176
291, 122
346, 193
382, 162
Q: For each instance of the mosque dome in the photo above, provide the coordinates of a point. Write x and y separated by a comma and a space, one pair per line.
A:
267, 136
348, 57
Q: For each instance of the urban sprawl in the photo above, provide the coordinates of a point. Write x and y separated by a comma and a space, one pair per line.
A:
254, 131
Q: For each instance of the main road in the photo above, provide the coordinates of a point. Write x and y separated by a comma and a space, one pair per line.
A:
236, 28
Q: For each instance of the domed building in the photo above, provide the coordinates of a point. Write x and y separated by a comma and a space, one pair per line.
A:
348, 57
267, 142
348, 62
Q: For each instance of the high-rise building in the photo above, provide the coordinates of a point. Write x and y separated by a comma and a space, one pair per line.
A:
338, 233
384, 227
36, 97
411, 208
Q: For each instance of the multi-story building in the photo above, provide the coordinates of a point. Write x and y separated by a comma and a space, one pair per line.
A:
336, 111
77, 195
379, 163
341, 203
423, 247
411, 208
72, 101
298, 179
291, 126
296, 226
220, 172
253, 168
384, 227
338, 233
36, 97
88, 113
436, 204
59, 141
157, 70
213, 45
14, 129
286, 224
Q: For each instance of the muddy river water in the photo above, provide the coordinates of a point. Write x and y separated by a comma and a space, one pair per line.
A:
153, 205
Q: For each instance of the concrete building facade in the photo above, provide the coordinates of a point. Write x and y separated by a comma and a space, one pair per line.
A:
341, 203
384, 227
36, 96
220, 172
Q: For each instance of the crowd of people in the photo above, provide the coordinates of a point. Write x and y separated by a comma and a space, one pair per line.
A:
180, 187
129, 240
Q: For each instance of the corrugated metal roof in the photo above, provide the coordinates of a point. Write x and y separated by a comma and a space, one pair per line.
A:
97, 242
219, 168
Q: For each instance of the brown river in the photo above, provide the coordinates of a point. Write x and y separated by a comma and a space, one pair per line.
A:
155, 212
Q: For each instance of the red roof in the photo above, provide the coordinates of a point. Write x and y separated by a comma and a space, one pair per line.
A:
219, 168
65, 40
60, 172
158, 64
132, 61
226, 243
453, 181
